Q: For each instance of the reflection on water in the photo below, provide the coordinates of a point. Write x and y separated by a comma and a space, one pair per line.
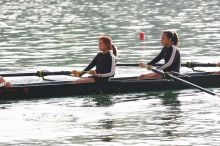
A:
102, 100
151, 117
170, 99
63, 33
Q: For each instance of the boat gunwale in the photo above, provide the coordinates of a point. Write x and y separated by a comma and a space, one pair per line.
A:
112, 80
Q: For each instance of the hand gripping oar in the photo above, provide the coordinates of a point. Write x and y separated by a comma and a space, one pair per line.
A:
183, 81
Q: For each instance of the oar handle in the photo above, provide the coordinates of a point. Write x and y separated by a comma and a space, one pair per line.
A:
80, 73
83, 72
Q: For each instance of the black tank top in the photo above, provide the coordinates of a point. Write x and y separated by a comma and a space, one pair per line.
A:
171, 57
105, 64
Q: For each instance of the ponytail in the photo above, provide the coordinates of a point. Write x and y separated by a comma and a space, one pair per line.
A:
114, 50
175, 39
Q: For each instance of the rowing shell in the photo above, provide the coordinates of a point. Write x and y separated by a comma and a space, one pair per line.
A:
115, 85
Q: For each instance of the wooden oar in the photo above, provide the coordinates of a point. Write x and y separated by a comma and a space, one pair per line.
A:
185, 82
41, 73
187, 64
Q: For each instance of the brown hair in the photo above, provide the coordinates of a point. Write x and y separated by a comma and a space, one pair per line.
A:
108, 42
173, 36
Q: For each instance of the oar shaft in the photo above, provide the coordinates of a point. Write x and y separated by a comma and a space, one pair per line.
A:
42, 73
192, 85
187, 64
57, 73
38, 73
127, 64
194, 64
18, 74
184, 81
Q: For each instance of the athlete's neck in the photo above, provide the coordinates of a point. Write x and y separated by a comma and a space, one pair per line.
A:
104, 52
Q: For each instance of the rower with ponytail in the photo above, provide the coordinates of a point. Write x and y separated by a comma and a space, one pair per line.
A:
169, 53
104, 61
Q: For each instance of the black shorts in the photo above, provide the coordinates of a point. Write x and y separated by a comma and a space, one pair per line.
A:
100, 79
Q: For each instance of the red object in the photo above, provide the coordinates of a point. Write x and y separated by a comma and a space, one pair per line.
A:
142, 37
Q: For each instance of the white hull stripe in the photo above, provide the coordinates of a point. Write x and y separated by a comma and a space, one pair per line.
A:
171, 59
